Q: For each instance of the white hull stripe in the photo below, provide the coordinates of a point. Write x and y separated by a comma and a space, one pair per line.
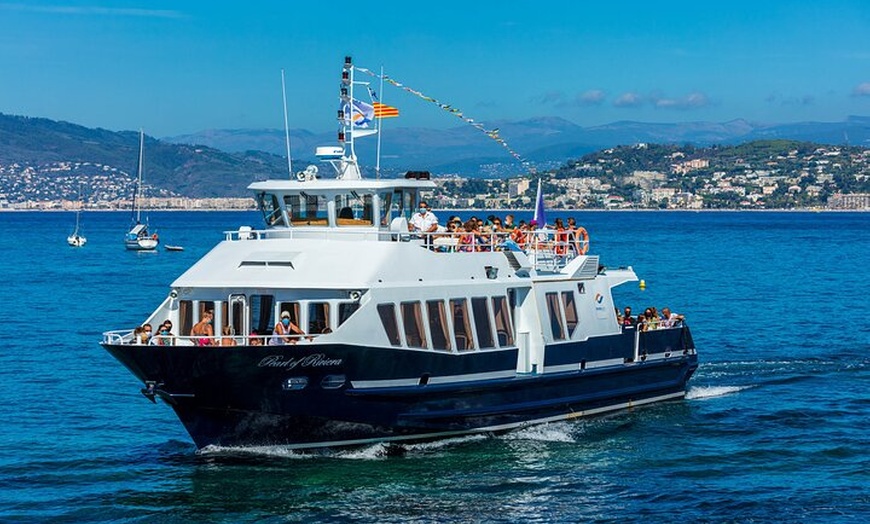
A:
450, 379
498, 428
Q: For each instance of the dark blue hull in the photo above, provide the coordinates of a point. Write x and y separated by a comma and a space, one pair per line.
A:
241, 396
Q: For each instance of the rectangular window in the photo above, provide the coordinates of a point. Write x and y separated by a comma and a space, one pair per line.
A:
307, 210
318, 317
438, 325
503, 329
345, 310
570, 311
268, 204
581, 288
185, 317
237, 314
261, 314
461, 324
555, 316
353, 210
412, 319
387, 312
290, 307
481, 322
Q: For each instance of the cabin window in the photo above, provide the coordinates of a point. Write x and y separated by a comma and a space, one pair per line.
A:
581, 288
556, 326
185, 316
503, 330
387, 312
307, 210
386, 203
438, 325
261, 313
354, 210
481, 322
409, 201
570, 312
461, 324
412, 319
345, 310
271, 209
236, 317
318, 317
293, 309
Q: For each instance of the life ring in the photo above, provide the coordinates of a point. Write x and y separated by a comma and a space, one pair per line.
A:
581, 240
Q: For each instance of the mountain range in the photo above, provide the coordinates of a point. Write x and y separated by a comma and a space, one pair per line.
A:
224, 162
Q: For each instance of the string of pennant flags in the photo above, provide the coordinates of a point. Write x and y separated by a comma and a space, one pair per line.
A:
491, 133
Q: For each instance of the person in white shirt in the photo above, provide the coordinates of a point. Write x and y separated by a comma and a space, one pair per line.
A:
424, 221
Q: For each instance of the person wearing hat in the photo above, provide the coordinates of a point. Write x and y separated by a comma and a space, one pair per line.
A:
285, 331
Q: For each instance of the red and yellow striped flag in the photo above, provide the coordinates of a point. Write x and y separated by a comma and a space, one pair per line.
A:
385, 111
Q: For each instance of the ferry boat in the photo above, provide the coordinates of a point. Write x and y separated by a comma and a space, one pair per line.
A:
393, 336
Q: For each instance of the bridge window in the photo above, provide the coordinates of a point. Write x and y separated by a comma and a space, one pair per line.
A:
503, 329
271, 209
461, 324
354, 210
387, 312
553, 309
412, 319
438, 325
345, 310
307, 210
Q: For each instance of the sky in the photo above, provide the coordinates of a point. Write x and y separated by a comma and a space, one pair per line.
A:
184, 66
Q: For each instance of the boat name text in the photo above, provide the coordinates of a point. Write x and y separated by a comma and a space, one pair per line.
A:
317, 360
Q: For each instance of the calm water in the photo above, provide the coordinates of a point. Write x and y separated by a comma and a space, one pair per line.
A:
775, 427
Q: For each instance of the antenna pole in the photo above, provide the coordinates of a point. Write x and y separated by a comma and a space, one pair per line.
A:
286, 126
380, 124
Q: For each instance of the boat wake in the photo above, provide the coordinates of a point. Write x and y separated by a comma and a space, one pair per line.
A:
553, 432
705, 392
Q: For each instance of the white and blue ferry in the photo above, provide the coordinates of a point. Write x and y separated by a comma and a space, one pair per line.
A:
400, 338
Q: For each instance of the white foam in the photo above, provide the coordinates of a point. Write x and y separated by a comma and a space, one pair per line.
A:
703, 392
552, 432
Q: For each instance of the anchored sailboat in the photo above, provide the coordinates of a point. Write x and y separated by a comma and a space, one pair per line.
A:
76, 239
139, 238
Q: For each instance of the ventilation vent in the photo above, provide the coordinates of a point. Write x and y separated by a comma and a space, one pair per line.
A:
271, 259
589, 269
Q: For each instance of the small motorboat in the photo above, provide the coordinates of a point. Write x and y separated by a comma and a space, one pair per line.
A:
173, 248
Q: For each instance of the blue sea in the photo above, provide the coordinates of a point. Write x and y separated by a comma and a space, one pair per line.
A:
775, 427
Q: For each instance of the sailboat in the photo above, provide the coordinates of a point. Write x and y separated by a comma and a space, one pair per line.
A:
139, 238
76, 239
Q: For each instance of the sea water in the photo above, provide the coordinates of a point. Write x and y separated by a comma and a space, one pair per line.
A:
774, 427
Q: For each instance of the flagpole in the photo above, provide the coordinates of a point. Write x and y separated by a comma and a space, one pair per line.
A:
380, 124
286, 126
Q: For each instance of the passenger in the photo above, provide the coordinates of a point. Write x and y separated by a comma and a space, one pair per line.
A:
254, 338
203, 330
227, 339
164, 335
137, 335
285, 331
640, 323
468, 239
424, 222
627, 320
670, 319
562, 235
651, 320
509, 223
147, 331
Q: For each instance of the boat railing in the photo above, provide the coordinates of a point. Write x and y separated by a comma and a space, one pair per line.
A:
547, 249
126, 337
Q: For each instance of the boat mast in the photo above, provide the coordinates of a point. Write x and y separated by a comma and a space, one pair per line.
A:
286, 126
138, 187
380, 123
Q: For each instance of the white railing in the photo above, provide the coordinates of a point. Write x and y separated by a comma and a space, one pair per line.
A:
125, 337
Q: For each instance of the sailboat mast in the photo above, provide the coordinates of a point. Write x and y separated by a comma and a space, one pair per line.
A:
139, 177
286, 126
380, 124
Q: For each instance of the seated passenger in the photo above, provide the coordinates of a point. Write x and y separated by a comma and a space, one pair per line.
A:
254, 338
285, 331
627, 320
670, 319
164, 335
227, 339
650, 319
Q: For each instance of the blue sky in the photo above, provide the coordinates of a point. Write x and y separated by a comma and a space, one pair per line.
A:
174, 67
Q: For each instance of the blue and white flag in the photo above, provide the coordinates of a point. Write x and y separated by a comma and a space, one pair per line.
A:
540, 215
362, 114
